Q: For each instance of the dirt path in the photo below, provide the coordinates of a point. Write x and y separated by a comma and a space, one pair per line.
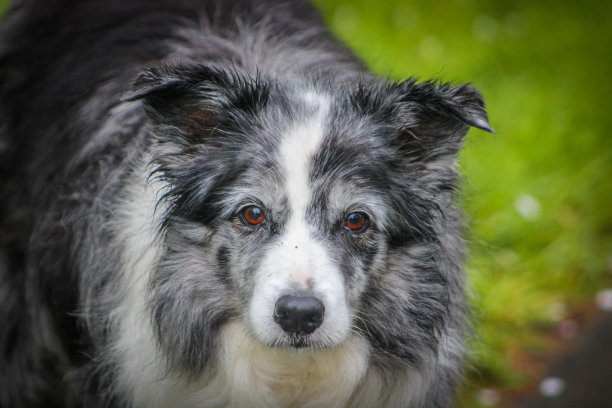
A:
583, 377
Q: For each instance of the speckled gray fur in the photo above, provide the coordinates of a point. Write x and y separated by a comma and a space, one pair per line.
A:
99, 99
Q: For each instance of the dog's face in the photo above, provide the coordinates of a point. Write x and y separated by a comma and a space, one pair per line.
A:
309, 213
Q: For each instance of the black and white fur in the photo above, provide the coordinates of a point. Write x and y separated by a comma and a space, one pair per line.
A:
133, 134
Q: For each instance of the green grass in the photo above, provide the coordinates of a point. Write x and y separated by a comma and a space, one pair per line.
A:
544, 69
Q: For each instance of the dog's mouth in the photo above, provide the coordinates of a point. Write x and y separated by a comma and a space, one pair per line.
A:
300, 341
295, 344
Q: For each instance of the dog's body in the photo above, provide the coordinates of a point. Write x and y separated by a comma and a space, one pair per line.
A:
257, 222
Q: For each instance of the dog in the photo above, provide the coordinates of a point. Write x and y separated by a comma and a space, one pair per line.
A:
213, 203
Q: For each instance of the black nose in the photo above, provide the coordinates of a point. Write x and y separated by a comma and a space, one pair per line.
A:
299, 314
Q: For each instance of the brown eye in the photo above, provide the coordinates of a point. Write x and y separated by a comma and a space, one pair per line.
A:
253, 215
356, 221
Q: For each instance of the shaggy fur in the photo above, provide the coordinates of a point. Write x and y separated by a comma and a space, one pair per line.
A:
134, 138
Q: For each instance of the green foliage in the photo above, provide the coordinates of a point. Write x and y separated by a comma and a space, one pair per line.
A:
537, 192
3, 5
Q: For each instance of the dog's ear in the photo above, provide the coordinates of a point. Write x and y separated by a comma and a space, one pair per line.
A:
435, 117
196, 98
187, 107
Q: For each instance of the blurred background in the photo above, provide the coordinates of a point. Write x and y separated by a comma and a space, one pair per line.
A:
538, 193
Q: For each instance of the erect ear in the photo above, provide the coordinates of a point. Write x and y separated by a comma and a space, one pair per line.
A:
194, 98
437, 116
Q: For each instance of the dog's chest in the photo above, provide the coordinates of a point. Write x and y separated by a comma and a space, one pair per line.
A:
253, 375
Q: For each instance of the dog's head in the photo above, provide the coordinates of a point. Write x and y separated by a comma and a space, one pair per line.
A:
311, 212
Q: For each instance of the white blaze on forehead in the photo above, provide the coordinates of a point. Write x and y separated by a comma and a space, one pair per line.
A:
297, 150
299, 261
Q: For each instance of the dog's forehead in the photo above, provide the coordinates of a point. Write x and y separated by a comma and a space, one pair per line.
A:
323, 155
299, 145
327, 152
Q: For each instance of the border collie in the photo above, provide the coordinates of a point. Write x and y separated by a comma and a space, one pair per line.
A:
211, 203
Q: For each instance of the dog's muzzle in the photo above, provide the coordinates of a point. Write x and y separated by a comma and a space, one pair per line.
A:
299, 315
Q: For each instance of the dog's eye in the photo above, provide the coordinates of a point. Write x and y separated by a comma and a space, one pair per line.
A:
253, 215
356, 221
